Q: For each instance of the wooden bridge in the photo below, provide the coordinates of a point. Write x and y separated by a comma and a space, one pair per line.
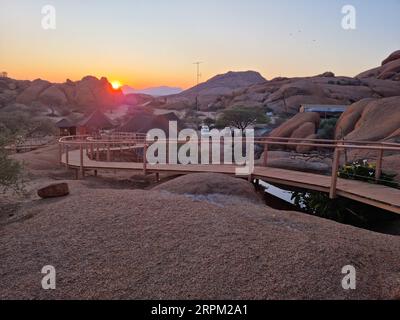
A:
84, 153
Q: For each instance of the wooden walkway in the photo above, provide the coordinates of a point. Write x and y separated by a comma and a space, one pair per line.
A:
372, 194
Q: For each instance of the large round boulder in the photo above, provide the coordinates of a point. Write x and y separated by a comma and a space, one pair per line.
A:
370, 120
305, 130
394, 56
54, 191
53, 96
204, 185
32, 93
306, 149
348, 120
68, 89
390, 69
300, 126
92, 92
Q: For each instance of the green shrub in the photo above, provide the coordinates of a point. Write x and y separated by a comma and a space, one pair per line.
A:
11, 173
340, 209
327, 129
319, 204
364, 171
22, 124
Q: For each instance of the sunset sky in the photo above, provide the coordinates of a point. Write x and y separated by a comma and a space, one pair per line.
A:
146, 43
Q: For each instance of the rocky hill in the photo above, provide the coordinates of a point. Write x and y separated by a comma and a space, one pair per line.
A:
207, 93
225, 83
389, 70
87, 93
285, 95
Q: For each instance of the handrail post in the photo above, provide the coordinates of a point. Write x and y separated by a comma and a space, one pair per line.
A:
167, 151
265, 155
335, 169
378, 169
97, 152
81, 160
91, 151
108, 153
145, 159
60, 150
67, 156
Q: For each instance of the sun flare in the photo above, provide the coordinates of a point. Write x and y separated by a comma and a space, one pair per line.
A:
116, 85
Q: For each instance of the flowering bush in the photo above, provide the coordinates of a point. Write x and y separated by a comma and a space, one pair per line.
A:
364, 171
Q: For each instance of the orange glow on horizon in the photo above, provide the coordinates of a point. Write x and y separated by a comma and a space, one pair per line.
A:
116, 85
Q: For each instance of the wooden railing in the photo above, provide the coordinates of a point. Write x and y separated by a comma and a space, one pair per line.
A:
29, 144
93, 147
338, 146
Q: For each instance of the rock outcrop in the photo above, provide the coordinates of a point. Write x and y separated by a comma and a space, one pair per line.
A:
389, 70
394, 56
54, 191
53, 96
32, 93
300, 126
371, 119
87, 93
203, 185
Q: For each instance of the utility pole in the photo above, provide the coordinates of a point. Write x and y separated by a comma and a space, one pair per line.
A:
198, 63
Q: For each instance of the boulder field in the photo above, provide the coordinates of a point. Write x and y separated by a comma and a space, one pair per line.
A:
366, 120
89, 92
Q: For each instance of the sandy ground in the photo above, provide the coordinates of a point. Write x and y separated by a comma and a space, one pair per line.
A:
108, 241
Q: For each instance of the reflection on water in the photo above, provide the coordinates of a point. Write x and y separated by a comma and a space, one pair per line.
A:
277, 192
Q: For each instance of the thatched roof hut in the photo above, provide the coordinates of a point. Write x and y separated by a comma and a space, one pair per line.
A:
64, 123
95, 122
144, 122
67, 128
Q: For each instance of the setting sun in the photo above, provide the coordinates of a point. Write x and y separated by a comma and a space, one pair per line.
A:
116, 84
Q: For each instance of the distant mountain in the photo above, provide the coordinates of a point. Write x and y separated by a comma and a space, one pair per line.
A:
226, 83
206, 93
153, 91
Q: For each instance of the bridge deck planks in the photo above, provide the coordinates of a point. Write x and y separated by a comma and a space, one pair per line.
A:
375, 195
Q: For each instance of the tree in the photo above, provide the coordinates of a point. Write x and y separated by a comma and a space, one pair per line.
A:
11, 175
242, 118
209, 122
